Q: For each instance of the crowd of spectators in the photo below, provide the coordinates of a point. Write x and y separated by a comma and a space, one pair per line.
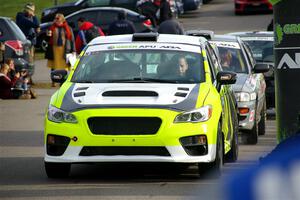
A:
17, 84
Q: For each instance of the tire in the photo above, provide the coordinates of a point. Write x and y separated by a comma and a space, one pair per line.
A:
252, 135
57, 170
44, 45
214, 169
233, 154
262, 122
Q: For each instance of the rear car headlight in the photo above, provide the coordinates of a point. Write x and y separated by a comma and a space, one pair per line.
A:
15, 45
198, 115
245, 96
58, 116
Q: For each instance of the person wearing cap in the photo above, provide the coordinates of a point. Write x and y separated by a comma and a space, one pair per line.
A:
30, 26
121, 25
28, 22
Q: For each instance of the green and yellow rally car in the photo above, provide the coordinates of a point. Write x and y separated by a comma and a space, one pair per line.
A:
142, 98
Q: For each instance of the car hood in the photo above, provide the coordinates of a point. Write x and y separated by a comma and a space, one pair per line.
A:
181, 97
244, 82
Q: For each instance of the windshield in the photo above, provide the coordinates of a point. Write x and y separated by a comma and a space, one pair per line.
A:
232, 59
262, 50
140, 65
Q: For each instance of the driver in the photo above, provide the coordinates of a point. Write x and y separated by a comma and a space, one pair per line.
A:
182, 66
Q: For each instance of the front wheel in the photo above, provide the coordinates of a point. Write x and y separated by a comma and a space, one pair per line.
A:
214, 168
262, 122
252, 135
232, 155
57, 170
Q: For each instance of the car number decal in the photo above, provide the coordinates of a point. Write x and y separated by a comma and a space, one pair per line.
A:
257, 38
233, 45
151, 46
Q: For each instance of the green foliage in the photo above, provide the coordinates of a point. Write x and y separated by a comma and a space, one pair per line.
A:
9, 8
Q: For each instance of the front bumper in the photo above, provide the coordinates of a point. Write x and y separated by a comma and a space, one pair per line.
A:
168, 136
246, 121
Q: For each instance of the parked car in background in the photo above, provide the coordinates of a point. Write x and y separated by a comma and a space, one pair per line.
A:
262, 44
102, 17
250, 85
17, 46
189, 5
48, 14
248, 6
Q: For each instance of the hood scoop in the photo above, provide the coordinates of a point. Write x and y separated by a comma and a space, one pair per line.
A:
129, 93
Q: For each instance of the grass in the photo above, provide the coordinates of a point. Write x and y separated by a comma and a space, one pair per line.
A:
9, 8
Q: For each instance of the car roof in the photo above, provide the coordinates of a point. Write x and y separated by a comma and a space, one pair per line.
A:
253, 33
162, 38
103, 8
5, 18
225, 38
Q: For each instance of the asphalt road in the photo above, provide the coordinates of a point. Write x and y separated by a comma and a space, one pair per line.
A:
22, 173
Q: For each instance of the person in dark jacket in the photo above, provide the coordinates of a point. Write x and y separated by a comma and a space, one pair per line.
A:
28, 22
165, 12
30, 26
270, 26
121, 26
148, 9
82, 38
6, 84
171, 26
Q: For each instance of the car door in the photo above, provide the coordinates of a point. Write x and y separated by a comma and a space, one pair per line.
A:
227, 126
260, 84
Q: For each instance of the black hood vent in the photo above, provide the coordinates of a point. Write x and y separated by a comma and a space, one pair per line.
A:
129, 93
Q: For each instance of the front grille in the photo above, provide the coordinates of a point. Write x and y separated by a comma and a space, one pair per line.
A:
124, 151
124, 125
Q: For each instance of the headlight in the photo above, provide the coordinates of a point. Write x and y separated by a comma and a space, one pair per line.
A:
49, 11
58, 116
199, 115
245, 96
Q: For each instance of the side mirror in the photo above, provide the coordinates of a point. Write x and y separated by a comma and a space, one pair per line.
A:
225, 78
261, 68
59, 76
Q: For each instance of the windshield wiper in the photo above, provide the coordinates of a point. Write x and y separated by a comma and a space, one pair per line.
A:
143, 80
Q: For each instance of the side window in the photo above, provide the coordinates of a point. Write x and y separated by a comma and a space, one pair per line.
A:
249, 55
211, 64
106, 18
4, 33
90, 16
94, 3
214, 58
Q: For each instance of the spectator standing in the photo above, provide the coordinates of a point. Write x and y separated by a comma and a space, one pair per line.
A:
171, 26
121, 25
148, 9
87, 32
61, 42
30, 26
6, 83
165, 12
270, 26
